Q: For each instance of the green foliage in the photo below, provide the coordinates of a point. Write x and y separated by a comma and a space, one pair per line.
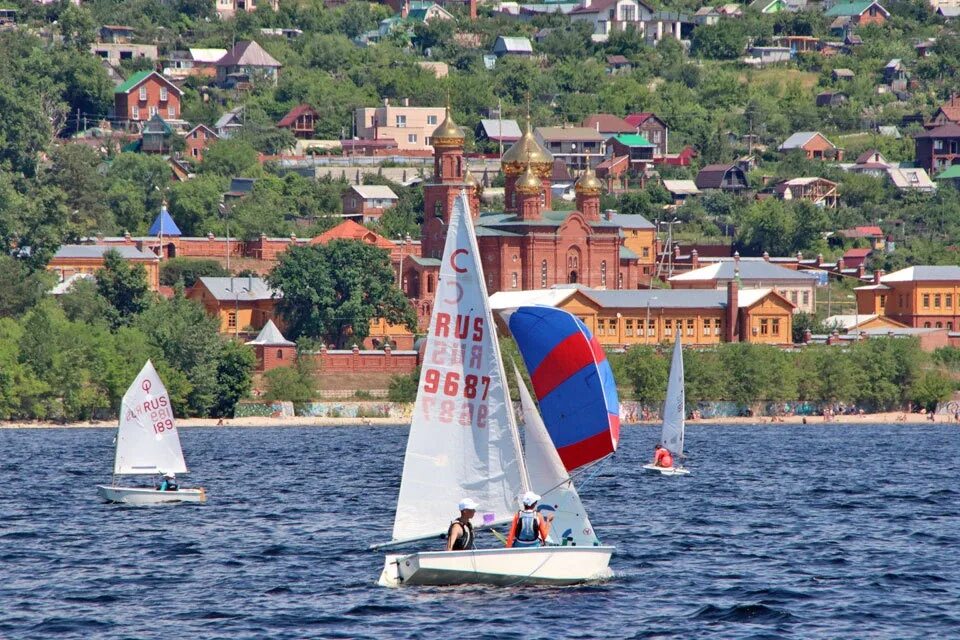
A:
930, 388
189, 270
288, 383
723, 41
231, 158
124, 287
20, 288
645, 370
403, 388
234, 377
84, 304
333, 291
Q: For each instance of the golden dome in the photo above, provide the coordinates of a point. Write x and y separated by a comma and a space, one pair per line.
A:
526, 151
588, 184
529, 182
448, 134
471, 180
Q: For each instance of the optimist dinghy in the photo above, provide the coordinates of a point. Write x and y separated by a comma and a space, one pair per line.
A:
674, 417
464, 442
148, 444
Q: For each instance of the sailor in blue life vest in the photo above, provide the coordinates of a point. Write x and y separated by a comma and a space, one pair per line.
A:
460, 533
169, 482
529, 528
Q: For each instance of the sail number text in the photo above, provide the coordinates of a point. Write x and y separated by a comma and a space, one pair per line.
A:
451, 384
163, 425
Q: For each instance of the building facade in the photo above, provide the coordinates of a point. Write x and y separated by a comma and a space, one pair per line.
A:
146, 94
410, 127
919, 297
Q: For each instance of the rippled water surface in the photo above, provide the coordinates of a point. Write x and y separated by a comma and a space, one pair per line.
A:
781, 532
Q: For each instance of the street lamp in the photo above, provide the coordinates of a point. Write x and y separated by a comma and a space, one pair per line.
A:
646, 325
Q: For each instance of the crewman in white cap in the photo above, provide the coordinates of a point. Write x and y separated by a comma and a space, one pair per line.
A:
460, 533
529, 528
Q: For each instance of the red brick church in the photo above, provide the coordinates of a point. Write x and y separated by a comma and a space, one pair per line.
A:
528, 246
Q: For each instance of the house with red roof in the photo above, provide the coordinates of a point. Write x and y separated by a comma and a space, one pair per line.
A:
608, 125
198, 139
946, 113
144, 95
854, 258
299, 121
652, 128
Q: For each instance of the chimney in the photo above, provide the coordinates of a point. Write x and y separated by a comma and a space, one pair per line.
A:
799, 256
386, 102
695, 259
406, 102
608, 214
878, 276
861, 271
730, 332
473, 9
766, 256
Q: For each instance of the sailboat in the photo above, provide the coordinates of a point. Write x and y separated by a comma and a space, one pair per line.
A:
147, 444
464, 442
674, 417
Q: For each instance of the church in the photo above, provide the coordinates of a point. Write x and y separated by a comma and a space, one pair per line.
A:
528, 245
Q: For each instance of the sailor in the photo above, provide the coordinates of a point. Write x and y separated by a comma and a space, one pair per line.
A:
169, 482
529, 528
460, 533
662, 457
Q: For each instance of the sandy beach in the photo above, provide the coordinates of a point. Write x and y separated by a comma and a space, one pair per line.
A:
869, 418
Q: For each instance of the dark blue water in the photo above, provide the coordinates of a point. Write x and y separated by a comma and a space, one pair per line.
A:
781, 532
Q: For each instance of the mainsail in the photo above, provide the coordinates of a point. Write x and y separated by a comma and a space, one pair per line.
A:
147, 440
463, 439
572, 380
550, 479
674, 407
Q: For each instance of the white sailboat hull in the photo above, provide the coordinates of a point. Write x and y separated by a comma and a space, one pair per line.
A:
498, 567
667, 471
144, 496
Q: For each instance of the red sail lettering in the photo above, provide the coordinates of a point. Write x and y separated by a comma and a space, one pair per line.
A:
478, 329
443, 325
463, 326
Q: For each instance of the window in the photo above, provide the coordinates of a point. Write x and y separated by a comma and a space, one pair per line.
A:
153, 111
651, 327
628, 327
938, 145
143, 92
428, 140
926, 301
764, 327
603, 273
171, 112
431, 119
232, 319
135, 113
668, 327
806, 297
775, 326
939, 325
601, 327
411, 137
620, 280
706, 327
950, 326
883, 300
279, 354
936, 301
401, 122
543, 274
195, 152
793, 297
163, 94
900, 300
513, 280
926, 325
948, 300
690, 328
646, 252
613, 326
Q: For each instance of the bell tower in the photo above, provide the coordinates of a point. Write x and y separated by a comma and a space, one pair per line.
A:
450, 175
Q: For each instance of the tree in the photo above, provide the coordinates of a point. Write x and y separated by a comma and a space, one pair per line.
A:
724, 41
20, 288
230, 158
74, 170
931, 387
646, 371
194, 205
78, 27
124, 287
24, 131
333, 291
287, 383
234, 377
189, 270
84, 304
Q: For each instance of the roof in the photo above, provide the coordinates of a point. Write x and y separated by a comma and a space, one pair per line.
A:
608, 123
374, 192
65, 286
750, 269
949, 130
598, 6
867, 157
225, 119
923, 272
520, 45
627, 298
843, 73
637, 119
799, 139
94, 251
208, 56
910, 178
851, 9
681, 187
862, 232
136, 79
711, 176
857, 253
209, 131
350, 230
849, 321
633, 140
569, 133
291, 118
270, 335
950, 173
503, 300
247, 288
507, 130
248, 54
630, 221
164, 225
617, 59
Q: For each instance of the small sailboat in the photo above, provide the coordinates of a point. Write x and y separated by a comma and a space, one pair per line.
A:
464, 442
148, 444
674, 417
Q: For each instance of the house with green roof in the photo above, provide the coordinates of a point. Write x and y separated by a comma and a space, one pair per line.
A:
146, 94
426, 12
853, 14
634, 146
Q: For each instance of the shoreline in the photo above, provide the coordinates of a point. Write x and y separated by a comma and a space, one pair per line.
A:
253, 421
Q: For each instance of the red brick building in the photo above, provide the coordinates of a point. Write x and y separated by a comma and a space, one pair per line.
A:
367, 202
938, 148
299, 121
144, 95
198, 139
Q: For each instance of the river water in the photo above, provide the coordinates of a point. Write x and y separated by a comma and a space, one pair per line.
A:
818, 531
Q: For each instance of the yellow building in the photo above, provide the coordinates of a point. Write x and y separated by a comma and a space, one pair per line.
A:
640, 238
919, 297
650, 316
71, 259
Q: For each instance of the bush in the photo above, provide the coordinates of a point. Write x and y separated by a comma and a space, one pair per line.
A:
285, 383
404, 388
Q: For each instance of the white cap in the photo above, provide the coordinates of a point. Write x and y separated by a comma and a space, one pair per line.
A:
468, 503
169, 475
529, 499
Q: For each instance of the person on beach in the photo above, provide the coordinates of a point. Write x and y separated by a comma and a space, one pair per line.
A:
460, 533
529, 528
168, 482
662, 457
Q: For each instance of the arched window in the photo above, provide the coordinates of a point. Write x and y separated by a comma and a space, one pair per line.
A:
513, 279
603, 273
430, 283
438, 209
543, 274
939, 325
926, 325
279, 354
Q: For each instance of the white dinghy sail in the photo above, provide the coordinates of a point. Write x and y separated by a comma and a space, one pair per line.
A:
463, 437
674, 416
147, 439
549, 478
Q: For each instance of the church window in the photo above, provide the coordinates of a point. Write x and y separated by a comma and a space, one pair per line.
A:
513, 280
438, 209
429, 284
543, 274
603, 273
